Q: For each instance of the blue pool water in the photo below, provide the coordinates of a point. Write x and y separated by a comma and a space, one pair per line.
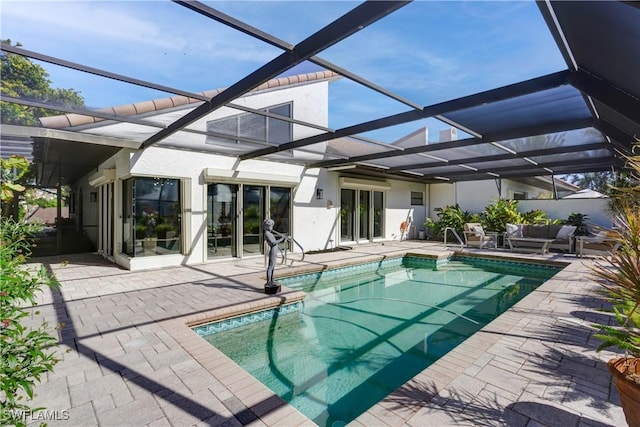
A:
366, 330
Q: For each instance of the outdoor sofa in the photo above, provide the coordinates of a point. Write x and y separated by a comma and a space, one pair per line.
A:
562, 235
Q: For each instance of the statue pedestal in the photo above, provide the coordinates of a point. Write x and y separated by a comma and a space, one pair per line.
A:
271, 288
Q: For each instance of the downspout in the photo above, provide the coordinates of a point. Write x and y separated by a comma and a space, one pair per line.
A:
455, 193
427, 209
555, 190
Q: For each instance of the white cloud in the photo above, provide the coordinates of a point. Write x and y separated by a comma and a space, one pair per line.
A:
84, 20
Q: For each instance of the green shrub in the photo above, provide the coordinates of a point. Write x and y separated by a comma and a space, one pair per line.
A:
495, 217
535, 216
449, 216
25, 354
579, 221
500, 213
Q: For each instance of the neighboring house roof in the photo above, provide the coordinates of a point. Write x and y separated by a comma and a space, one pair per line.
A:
546, 183
71, 120
586, 194
351, 147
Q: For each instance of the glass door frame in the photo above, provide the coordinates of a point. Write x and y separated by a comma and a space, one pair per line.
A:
355, 215
212, 234
265, 207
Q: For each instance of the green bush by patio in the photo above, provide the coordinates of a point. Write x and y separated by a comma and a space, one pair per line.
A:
25, 354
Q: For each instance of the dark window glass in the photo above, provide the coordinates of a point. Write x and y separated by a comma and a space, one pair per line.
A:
347, 214
378, 213
151, 216
253, 126
226, 126
417, 198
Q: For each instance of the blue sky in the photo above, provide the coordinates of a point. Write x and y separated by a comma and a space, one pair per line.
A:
428, 51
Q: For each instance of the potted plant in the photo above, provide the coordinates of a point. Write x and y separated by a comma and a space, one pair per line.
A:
146, 226
619, 275
165, 231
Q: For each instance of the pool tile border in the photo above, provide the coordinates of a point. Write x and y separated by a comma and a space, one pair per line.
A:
246, 319
430, 262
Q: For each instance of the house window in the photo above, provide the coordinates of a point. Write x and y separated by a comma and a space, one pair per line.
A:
519, 195
417, 198
254, 126
151, 209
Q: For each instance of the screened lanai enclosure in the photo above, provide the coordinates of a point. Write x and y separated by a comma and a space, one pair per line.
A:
395, 66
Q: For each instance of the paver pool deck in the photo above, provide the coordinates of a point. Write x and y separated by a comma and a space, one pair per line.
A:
130, 359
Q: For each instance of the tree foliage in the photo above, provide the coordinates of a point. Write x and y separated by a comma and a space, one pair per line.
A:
26, 80
602, 182
26, 353
14, 171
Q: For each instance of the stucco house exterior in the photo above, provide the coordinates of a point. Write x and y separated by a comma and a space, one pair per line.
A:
189, 200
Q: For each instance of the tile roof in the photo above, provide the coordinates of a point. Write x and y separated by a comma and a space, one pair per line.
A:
71, 120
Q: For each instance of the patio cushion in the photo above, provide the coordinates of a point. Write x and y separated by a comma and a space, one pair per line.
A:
553, 230
538, 231
514, 230
478, 230
473, 230
565, 232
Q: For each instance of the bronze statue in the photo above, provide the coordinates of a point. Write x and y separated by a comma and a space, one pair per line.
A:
272, 287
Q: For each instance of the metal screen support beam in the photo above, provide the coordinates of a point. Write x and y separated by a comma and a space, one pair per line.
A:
59, 212
506, 92
604, 91
621, 140
229, 21
508, 156
541, 166
353, 21
459, 143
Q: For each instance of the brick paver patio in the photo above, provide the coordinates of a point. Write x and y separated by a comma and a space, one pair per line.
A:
129, 358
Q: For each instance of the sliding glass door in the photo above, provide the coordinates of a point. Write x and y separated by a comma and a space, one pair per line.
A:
378, 214
252, 217
347, 215
235, 213
222, 220
361, 215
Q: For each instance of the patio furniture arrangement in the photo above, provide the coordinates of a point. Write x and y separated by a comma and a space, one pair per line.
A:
540, 236
600, 244
474, 235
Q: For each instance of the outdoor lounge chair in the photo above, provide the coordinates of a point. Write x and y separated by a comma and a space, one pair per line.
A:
474, 235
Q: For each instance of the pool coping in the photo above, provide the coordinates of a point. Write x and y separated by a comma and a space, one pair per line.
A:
403, 405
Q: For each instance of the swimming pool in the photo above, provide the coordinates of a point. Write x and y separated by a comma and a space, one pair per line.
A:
367, 329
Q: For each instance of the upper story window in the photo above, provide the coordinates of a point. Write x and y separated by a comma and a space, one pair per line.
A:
254, 126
